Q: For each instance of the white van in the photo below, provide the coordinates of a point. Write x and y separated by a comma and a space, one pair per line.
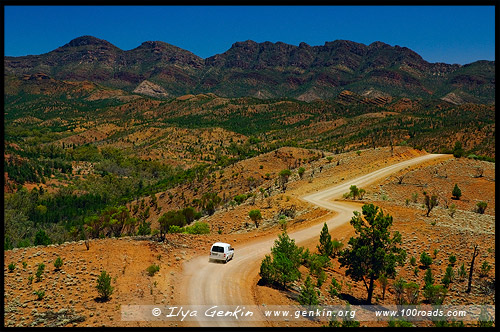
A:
221, 251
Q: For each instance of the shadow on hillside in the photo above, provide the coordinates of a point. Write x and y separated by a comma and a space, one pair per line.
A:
101, 300
351, 299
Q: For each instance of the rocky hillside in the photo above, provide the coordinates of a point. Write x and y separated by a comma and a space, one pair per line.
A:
264, 70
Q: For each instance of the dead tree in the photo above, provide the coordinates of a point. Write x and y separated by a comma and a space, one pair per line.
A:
401, 177
474, 255
86, 239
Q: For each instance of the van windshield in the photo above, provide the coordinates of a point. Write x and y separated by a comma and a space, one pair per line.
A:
218, 249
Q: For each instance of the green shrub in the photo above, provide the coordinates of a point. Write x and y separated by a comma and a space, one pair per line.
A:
413, 261
152, 269
198, 228
39, 294
452, 259
175, 229
283, 267
103, 286
39, 272
412, 291
321, 278
462, 273
25, 264
308, 295
267, 270
481, 207
399, 323
428, 278
41, 238
485, 269
12, 266
335, 288
435, 294
456, 193
144, 228
325, 246
448, 276
425, 260
58, 263
240, 198
301, 171
256, 216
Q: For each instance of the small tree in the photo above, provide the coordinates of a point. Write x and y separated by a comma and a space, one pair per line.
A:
39, 294
383, 282
58, 263
430, 202
413, 261
354, 191
325, 246
267, 270
256, 216
374, 252
308, 295
448, 276
452, 260
481, 207
458, 151
461, 272
428, 278
282, 267
301, 171
412, 292
39, 272
41, 238
425, 260
103, 286
435, 294
456, 193
152, 269
284, 176
399, 291
485, 269
335, 288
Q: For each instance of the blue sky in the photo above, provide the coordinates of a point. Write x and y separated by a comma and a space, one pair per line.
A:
450, 34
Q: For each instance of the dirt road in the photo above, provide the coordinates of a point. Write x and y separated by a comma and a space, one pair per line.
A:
227, 284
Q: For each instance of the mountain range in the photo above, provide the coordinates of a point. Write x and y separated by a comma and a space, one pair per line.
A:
263, 70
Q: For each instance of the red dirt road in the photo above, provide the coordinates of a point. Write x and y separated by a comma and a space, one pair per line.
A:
205, 283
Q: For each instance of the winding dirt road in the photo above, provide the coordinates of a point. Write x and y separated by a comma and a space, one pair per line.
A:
226, 284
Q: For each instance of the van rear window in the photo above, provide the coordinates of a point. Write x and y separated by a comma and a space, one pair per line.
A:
218, 249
